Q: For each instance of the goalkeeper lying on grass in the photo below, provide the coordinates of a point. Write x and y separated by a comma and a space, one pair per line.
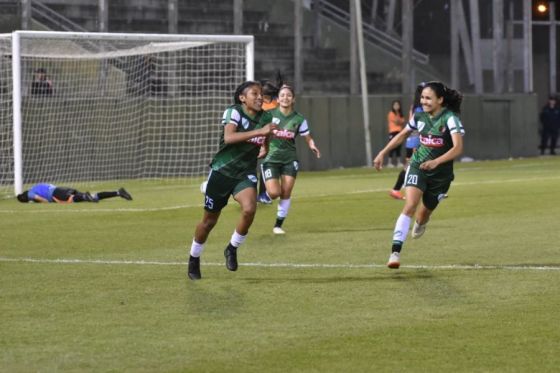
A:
51, 193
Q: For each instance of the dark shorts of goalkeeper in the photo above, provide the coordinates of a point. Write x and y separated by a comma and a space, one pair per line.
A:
220, 187
433, 185
63, 193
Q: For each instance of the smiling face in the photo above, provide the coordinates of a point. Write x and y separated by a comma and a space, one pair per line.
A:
431, 104
252, 99
286, 98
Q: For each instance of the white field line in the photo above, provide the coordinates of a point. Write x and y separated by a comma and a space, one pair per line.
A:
286, 265
316, 195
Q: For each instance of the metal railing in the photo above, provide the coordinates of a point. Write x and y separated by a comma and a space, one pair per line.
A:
393, 46
52, 19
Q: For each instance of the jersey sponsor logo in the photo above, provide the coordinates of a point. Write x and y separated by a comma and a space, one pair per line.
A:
432, 141
284, 134
259, 140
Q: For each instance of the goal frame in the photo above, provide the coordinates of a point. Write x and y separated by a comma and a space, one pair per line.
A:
16, 37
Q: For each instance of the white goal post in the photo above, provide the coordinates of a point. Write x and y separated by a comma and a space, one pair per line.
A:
84, 107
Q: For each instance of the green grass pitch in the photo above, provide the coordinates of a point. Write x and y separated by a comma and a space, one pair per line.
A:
103, 287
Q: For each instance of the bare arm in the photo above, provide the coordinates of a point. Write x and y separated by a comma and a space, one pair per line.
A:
450, 155
395, 141
312, 146
231, 136
69, 200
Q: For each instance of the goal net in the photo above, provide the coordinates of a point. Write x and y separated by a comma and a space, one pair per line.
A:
83, 107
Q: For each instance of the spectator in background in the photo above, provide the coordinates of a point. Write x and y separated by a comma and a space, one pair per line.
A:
550, 121
41, 84
395, 123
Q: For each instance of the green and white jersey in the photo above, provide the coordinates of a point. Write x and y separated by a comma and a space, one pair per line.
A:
240, 159
435, 137
282, 147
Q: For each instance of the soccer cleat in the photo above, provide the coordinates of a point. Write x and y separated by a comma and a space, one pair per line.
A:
194, 268
418, 229
394, 260
124, 194
278, 230
264, 198
231, 257
396, 194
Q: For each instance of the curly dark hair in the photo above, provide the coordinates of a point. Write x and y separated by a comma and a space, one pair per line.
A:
240, 90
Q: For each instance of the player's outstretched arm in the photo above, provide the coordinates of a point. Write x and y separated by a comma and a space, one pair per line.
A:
312, 146
395, 141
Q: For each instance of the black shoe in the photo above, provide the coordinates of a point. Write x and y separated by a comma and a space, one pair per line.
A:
124, 194
231, 257
194, 268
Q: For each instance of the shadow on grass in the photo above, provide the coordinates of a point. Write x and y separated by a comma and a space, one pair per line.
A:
379, 276
349, 229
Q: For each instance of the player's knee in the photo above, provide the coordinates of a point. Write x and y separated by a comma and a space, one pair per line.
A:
273, 194
208, 224
248, 210
409, 209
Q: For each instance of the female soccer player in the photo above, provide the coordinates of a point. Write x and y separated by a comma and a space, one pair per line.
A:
246, 129
430, 172
280, 166
270, 101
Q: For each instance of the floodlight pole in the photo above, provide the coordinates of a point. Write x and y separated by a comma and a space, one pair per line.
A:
552, 47
363, 79
527, 47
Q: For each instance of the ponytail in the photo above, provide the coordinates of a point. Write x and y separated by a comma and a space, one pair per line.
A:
451, 98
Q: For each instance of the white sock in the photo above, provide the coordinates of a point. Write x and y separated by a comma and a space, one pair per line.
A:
196, 249
401, 228
237, 239
283, 207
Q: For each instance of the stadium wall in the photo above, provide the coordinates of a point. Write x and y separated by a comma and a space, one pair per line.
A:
497, 127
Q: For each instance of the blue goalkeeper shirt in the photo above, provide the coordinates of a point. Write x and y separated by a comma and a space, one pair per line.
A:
42, 190
413, 141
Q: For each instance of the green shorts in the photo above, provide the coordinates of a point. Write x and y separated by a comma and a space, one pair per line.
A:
220, 187
271, 170
434, 185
